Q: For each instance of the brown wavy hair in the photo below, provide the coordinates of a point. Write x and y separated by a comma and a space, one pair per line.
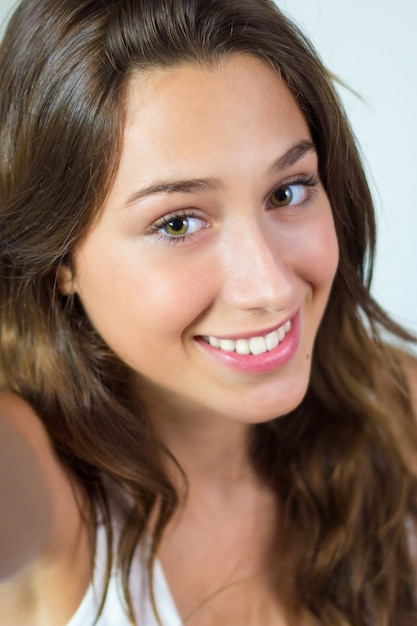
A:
341, 462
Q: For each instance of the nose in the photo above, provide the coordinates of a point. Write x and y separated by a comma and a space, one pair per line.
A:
255, 272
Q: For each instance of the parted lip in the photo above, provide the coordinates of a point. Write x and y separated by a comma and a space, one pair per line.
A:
252, 334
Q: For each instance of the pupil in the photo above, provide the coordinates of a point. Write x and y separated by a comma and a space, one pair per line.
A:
176, 225
282, 195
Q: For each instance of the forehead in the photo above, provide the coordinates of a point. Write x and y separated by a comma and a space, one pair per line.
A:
194, 106
187, 87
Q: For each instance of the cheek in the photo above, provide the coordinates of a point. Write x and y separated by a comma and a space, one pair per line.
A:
138, 292
318, 253
327, 255
172, 299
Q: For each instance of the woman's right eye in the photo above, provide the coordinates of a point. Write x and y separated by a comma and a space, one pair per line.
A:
178, 226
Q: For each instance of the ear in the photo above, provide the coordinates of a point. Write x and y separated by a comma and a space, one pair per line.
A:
65, 280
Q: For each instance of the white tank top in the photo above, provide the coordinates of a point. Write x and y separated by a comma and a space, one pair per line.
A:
114, 613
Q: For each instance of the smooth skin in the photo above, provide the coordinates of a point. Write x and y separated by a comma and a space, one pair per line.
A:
243, 265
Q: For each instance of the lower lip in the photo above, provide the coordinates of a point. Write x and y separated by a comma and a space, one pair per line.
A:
260, 363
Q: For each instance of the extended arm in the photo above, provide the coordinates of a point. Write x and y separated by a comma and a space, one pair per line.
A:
25, 507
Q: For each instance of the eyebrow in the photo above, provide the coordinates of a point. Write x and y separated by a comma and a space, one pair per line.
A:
204, 185
293, 155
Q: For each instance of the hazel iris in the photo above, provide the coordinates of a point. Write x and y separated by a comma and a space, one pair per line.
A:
176, 226
282, 197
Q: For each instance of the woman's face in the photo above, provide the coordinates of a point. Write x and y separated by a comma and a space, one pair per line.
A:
210, 267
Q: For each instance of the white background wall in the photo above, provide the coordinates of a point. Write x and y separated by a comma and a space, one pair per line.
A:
372, 46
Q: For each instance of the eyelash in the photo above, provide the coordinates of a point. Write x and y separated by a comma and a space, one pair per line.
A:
305, 181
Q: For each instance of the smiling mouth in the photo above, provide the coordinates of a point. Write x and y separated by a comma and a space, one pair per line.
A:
254, 345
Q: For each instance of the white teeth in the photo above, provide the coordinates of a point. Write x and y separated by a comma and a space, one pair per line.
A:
272, 340
255, 345
228, 345
242, 346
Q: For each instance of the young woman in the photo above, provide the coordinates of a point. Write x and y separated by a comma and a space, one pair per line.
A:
200, 423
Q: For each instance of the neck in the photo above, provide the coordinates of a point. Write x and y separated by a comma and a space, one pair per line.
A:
210, 449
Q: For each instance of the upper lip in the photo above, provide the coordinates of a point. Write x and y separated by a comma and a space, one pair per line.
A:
249, 335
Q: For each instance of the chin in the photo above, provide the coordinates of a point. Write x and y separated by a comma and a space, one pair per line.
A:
269, 407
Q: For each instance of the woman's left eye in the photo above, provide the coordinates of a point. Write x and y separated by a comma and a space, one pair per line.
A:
177, 226
292, 194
